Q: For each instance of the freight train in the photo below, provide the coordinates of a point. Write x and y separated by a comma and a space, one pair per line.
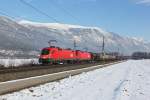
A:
57, 55
53, 55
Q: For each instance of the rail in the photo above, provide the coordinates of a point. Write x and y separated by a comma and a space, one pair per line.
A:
15, 85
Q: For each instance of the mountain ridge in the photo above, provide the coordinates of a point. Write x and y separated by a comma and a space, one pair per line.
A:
29, 36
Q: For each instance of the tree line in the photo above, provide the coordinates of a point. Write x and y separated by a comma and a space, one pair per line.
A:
141, 55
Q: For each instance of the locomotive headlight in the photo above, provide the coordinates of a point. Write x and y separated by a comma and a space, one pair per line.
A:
71, 55
44, 57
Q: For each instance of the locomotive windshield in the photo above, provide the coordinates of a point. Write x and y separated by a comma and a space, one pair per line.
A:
45, 52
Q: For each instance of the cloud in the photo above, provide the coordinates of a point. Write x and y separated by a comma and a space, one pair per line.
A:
147, 2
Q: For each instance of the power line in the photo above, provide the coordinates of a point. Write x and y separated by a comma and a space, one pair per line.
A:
3, 13
39, 11
65, 10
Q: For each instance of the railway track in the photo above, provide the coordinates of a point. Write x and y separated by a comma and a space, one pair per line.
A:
7, 74
11, 86
27, 68
36, 67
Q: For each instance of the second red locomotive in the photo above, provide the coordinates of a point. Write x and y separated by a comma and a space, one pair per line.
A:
51, 55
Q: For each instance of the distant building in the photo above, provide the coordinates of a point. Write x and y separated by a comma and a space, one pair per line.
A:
141, 55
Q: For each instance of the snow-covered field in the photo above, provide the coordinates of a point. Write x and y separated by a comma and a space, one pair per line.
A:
17, 62
125, 81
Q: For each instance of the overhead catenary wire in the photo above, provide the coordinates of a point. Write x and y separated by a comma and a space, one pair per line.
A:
65, 10
43, 13
5, 14
39, 11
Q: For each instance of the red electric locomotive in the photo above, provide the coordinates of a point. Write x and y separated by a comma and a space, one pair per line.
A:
56, 55
82, 55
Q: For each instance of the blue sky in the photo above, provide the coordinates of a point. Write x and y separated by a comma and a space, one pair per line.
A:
125, 17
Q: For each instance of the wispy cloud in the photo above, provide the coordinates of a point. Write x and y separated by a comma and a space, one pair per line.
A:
147, 2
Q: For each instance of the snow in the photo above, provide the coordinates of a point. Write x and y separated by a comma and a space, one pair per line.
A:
17, 62
11, 52
125, 81
50, 25
61, 26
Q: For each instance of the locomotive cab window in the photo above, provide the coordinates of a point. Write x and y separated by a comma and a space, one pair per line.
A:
45, 52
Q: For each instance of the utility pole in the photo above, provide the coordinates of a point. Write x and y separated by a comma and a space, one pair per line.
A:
103, 46
118, 51
75, 44
51, 41
86, 47
102, 49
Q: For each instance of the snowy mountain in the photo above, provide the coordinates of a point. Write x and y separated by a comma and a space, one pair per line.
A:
27, 37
